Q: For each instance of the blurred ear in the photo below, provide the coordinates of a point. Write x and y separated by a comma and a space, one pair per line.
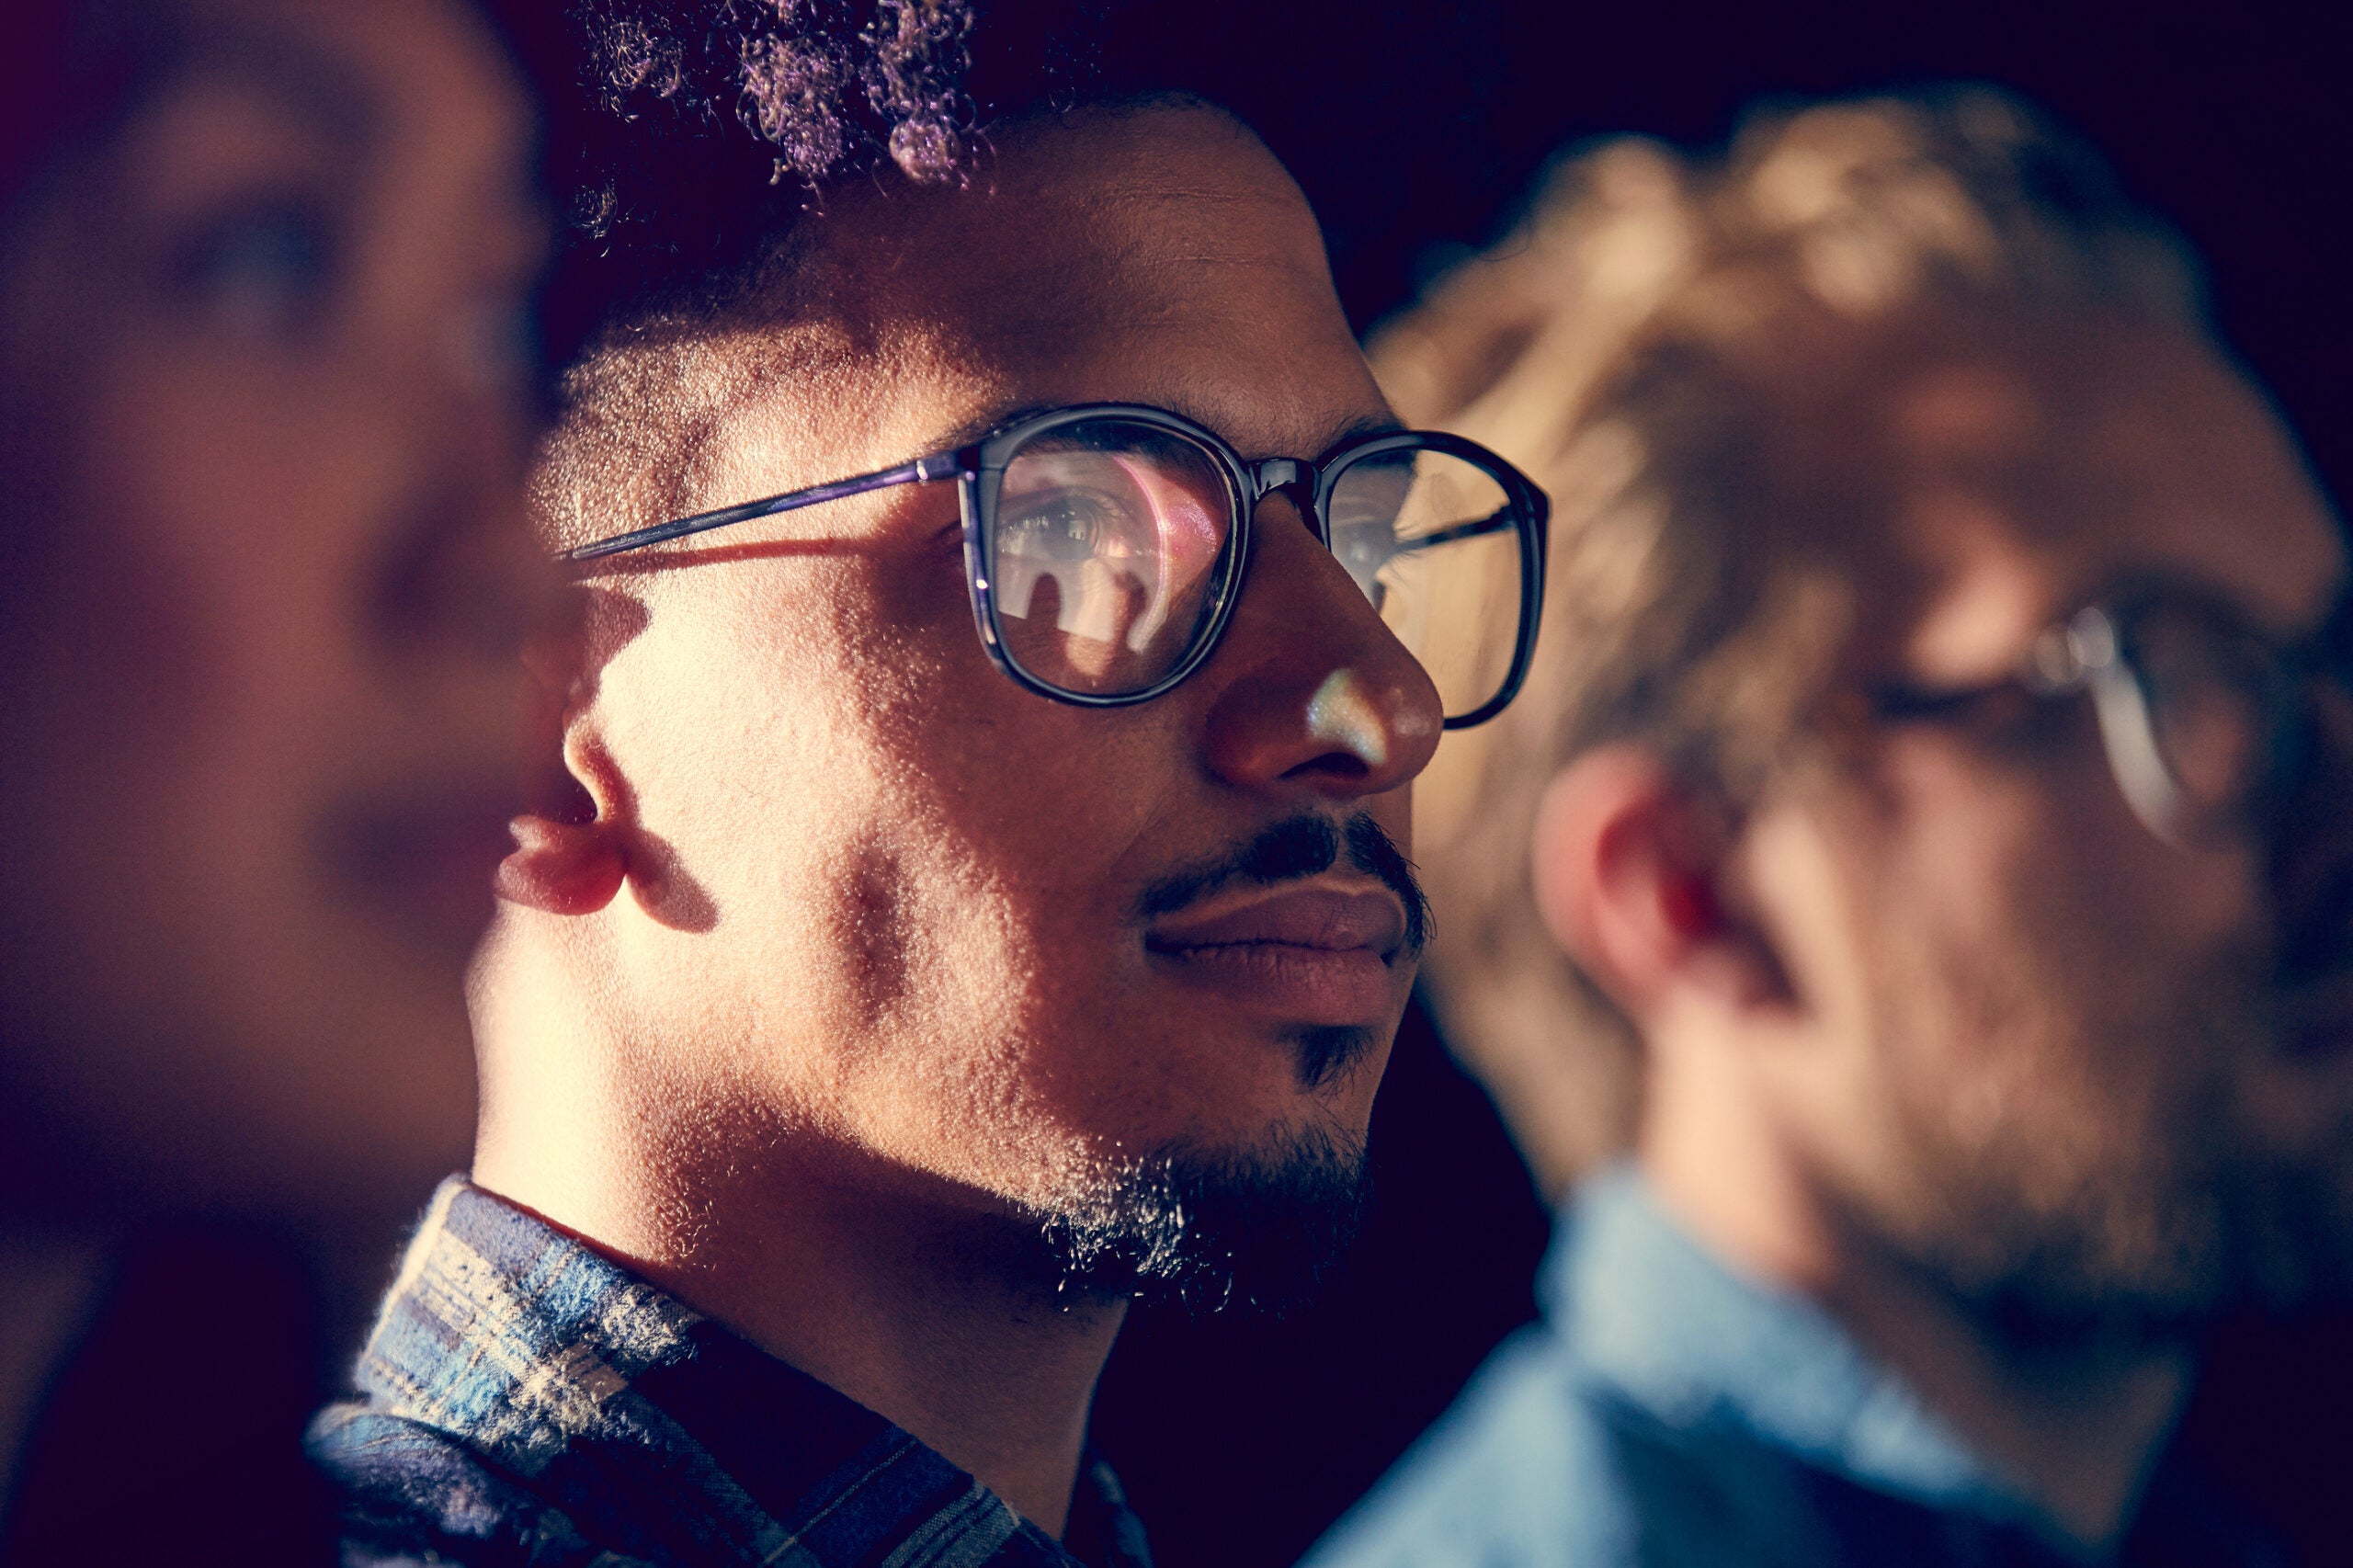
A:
1629, 867
568, 857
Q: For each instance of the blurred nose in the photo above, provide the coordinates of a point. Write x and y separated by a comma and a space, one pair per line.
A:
467, 580
2312, 856
1312, 693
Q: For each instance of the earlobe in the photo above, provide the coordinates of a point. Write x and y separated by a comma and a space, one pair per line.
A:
1628, 866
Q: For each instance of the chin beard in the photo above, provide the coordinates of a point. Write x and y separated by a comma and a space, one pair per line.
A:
1216, 1233
2189, 1216
2160, 1268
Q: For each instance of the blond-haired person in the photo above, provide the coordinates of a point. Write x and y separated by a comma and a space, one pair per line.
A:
1908, 911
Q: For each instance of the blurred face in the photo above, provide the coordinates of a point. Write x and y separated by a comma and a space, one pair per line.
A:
269, 414
1132, 971
2065, 1066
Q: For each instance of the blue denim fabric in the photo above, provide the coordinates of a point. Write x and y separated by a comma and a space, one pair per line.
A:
525, 1400
1672, 1414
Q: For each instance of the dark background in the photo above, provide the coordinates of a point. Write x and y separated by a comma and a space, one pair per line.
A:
1415, 129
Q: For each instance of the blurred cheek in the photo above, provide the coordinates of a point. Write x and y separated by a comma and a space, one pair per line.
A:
231, 524
2054, 939
2125, 921
194, 686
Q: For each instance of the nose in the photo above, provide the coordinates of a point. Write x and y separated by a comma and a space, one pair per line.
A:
1312, 693
464, 580
466, 584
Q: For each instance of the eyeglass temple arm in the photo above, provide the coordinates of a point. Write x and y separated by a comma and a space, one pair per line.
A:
923, 471
1494, 521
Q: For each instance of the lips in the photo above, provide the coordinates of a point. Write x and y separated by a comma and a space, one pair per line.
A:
1309, 955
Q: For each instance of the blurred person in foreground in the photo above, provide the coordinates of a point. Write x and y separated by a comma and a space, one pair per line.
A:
263, 271
1923, 849
967, 888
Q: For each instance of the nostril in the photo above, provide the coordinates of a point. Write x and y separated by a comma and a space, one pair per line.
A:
451, 579
1340, 766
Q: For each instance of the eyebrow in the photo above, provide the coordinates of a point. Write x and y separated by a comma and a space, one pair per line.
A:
312, 86
984, 425
1369, 425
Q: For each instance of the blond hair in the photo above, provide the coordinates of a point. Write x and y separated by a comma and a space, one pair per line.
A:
1623, 346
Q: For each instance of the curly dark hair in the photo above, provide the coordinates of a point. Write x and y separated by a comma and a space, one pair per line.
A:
693, 135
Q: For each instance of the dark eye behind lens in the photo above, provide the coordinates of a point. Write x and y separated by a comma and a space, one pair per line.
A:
265, 268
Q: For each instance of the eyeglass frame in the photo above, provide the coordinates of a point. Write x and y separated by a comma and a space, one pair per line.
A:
2090, 653
979, 468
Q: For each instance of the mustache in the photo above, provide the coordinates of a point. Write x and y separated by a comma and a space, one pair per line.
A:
1292, 850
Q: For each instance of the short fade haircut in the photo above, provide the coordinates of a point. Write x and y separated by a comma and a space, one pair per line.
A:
1623, 346
699, 140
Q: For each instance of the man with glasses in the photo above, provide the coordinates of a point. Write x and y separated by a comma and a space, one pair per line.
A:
1911, 902
968, 889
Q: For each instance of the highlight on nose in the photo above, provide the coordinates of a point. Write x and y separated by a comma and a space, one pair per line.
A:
1341, 713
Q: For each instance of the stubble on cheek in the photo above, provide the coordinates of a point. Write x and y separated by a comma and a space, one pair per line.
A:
930, 1028
2074, 1110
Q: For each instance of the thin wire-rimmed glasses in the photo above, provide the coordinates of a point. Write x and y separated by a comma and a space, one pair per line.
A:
1107, 544
2208, 722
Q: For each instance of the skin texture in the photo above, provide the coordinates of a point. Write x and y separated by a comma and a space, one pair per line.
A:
1938, 1031
848, 978
268, 420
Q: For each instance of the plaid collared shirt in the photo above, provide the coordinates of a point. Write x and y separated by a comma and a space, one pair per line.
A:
525, 1400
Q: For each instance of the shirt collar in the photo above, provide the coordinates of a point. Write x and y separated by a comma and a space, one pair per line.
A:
1649, 1312
626, 1409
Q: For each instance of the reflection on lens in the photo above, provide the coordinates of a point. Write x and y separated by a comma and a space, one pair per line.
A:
1105, 553
1433, 540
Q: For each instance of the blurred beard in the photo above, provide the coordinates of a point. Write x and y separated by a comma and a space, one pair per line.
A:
2072, 1182
1214, 1232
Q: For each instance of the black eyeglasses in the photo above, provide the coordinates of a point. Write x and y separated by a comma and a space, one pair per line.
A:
2208, 722
1106, 545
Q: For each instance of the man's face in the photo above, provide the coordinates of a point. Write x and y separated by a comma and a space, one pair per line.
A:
1020, 953
2062, 1068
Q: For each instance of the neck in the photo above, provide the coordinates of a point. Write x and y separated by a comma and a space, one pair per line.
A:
903, 1298
2079, 1425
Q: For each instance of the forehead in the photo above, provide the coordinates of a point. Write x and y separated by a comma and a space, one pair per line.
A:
1987, 476
1153, 256
425, 75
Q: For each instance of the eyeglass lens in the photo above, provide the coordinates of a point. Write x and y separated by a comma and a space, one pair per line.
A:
1106, 553
2216, 703
1433, 540
1110, 539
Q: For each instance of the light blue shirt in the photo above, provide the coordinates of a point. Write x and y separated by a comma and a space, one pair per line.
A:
1670, 1413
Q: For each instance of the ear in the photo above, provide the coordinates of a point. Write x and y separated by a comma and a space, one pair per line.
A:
569, 855
1629, 868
